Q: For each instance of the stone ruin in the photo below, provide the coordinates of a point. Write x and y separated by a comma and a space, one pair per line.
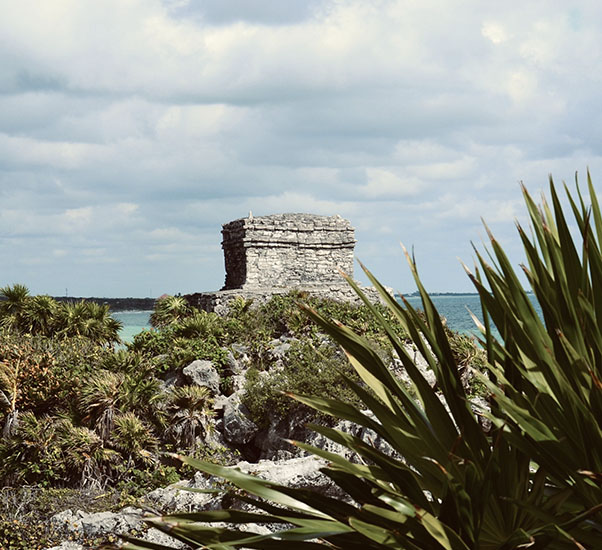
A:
267, 255
287, 251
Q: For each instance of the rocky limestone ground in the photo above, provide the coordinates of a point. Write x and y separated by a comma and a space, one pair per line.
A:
78, 525
277, 460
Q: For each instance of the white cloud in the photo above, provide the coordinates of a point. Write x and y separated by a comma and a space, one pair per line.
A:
77, 218
168, 234
472, 208
494, 32
126, 208
131, 130
61, 155
386, 184
521, 85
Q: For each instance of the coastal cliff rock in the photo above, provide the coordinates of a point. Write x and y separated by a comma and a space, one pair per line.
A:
202, 373
238, 428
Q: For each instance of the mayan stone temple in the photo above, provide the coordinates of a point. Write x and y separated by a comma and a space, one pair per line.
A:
267, 255
287, 251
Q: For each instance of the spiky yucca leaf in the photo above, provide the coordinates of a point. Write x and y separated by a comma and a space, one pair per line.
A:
551, 368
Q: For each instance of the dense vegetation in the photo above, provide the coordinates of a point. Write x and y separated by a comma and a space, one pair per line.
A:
531, 477
83, 415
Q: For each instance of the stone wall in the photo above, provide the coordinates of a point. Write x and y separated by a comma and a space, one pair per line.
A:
287, 251
219, 301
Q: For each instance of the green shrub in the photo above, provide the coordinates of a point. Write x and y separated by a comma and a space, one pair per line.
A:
281, 315
307, 369
25, 514
50, 371
25, 535
50, 451
169, 352
31, 454
185, 351
152, 342
138, 482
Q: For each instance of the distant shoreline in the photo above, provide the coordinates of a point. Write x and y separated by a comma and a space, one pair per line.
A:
116, 304
416, 294
148, 304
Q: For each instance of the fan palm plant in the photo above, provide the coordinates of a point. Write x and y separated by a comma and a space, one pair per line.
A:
101, 326
191, 413
135, 438
39, 314
13, 306
108, 394
100, 400
87, 320
124, 360
168, 310
532, 480
200, 324
83, 454
71, 319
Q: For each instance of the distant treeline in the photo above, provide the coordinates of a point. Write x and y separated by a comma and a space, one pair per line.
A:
116, 304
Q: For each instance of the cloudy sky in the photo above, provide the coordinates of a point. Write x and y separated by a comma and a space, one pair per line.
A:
131, 130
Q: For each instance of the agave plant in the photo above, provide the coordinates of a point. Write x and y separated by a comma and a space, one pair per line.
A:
532, 480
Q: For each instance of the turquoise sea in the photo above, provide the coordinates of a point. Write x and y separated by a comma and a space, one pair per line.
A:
133, 323
455, 308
